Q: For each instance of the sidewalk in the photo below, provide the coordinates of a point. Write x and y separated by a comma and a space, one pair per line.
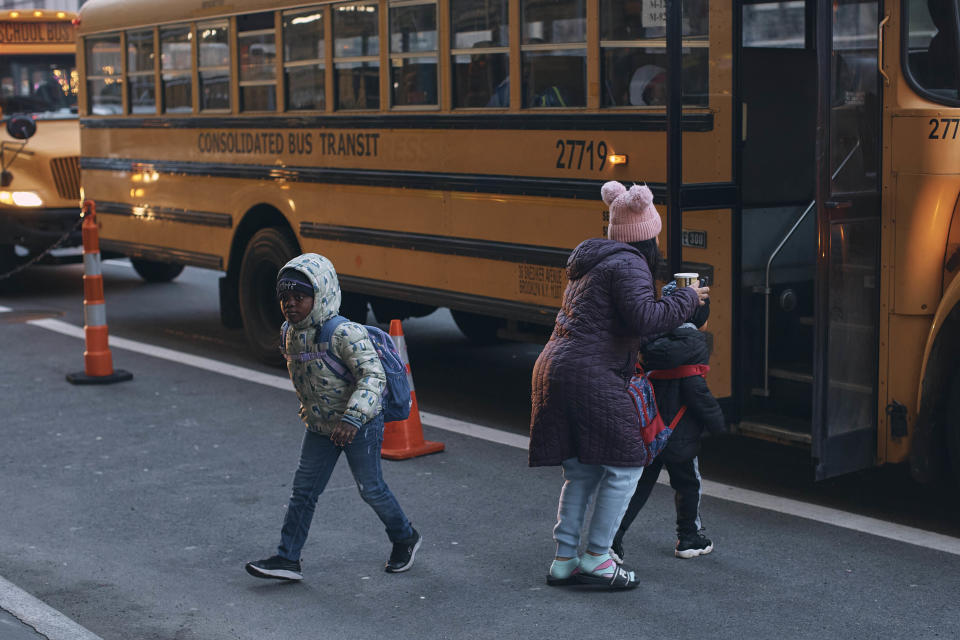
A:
23, 617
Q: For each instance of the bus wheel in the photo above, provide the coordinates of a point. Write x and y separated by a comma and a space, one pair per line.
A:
268, 250
479, 329
952, 427
153, 271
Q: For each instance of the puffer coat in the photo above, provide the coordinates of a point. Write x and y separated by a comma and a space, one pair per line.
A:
580, 404
685, 345
325, 398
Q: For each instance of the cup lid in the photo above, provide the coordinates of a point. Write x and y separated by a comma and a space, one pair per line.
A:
686, 275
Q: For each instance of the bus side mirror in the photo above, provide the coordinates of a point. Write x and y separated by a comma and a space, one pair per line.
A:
21, 127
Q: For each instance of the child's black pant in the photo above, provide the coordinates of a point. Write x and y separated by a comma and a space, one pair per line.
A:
685, 480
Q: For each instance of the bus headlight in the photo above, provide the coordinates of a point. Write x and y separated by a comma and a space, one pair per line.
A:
21, 198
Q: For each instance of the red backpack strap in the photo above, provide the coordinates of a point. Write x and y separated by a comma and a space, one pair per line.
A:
676, 419
683, 371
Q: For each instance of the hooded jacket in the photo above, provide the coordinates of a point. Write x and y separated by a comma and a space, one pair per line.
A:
685, 345
325, 398
580, 404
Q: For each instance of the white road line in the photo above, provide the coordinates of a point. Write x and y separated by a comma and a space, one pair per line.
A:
46, 620
826, 515
3, 309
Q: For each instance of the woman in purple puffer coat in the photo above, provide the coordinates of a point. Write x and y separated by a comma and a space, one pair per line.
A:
583, 418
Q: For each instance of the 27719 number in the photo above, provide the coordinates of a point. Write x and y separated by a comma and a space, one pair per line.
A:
945, 122
581, 154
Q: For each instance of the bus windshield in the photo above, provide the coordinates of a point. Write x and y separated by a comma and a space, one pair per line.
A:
43, 86
933, 48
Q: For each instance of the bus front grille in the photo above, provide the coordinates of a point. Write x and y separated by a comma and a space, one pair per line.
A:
66, 176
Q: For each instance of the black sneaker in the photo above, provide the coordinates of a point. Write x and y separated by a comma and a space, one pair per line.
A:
693, 545
401, 558
275, 567
616, 549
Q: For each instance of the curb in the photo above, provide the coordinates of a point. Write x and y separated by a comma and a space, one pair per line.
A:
43, 618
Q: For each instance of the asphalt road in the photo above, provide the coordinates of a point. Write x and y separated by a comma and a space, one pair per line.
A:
131, 508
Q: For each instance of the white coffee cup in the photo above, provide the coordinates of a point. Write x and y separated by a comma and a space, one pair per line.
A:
687, 279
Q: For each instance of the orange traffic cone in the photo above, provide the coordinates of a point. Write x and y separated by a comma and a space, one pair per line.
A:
404, 438
97, 361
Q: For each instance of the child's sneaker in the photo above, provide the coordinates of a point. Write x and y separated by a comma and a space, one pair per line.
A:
275, 567
401, 558
691, 546
616, 548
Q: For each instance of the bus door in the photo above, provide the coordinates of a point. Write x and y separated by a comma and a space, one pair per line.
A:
848, 239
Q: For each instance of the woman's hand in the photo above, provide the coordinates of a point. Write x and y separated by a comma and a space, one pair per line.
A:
343, 434
703, 293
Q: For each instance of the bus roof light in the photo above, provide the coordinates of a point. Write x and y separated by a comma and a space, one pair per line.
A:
38, 14
14, 14
617, 158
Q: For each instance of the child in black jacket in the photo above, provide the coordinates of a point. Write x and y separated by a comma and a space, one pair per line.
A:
676, 363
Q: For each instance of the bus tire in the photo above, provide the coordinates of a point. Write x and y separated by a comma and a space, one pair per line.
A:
952, 429
268, 250
153, 271
479, 329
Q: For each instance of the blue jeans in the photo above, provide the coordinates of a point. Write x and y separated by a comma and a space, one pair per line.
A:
609, 488
318, 456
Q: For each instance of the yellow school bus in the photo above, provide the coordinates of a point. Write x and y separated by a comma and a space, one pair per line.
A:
804, 155
39, 172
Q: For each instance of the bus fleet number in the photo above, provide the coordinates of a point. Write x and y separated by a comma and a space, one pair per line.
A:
946, 122
581, 154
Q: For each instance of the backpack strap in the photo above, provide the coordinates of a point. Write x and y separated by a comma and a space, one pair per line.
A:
676, 419
683, 371
323, 337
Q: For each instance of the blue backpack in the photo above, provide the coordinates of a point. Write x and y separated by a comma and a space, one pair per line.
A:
396, 398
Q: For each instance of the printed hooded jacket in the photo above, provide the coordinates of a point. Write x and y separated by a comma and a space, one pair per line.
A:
580, 404
325, 398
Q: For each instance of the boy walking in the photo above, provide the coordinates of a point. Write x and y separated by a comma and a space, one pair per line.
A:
676, 363
340, 416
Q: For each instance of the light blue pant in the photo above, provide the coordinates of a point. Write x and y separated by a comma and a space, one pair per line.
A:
610, 490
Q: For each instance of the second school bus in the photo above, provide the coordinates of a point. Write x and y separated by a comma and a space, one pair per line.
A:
450, 153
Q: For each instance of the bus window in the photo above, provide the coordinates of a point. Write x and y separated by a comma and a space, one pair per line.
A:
176, 69
213, 65
933, 48
780, 25
480, 50
257, 53
104, 82
554, 54
413, 76
634, 54
140, 67
356, 50
303, 59
855, 97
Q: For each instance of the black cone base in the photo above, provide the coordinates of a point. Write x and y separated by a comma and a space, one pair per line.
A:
118, 375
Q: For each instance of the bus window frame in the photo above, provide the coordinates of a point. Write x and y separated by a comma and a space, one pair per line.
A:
361, 60
286, 65
190, 72
571, 47
402, 56
912, 82
218, 23
274, 82
151, 73
118, 77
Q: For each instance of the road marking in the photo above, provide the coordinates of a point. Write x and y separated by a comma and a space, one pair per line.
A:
4, 309
35, 613
826, 515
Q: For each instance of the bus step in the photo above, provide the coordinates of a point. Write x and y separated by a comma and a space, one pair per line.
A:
774, 433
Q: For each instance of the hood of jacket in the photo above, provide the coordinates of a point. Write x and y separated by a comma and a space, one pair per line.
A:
326, 287
685, 345
592, 252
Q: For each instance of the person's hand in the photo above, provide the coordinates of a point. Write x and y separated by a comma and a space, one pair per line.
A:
343, 434
703, 293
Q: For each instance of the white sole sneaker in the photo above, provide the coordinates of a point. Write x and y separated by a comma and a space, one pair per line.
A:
693, 553
413, 554
277, 574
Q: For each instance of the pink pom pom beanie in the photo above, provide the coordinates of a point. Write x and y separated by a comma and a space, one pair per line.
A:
632, 215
